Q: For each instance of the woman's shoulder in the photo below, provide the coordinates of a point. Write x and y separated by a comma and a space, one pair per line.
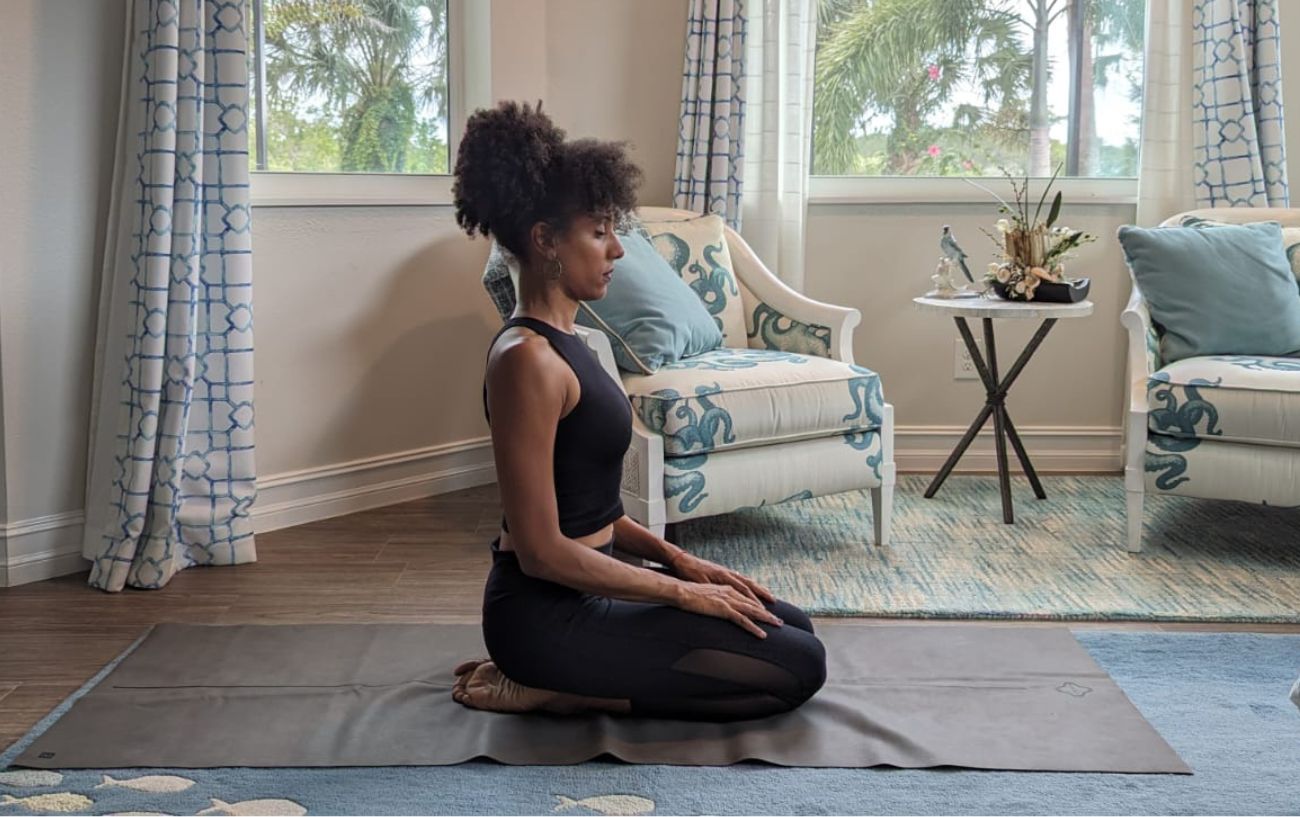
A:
519, 355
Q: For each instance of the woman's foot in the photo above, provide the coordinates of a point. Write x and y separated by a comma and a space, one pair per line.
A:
480, 685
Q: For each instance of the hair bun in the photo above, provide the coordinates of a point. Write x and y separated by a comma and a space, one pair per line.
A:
502, 161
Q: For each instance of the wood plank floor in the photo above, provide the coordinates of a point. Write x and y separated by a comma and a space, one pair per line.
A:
422, 561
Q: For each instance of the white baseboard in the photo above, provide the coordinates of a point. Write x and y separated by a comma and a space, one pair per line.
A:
41, 548
297, 497
1078, 449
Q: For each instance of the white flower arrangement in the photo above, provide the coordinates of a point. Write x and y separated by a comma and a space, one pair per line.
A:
1032, 250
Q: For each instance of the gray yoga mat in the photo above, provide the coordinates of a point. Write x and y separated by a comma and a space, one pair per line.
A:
195, 696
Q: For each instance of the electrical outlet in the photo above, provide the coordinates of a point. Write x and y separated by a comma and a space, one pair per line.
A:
963, 368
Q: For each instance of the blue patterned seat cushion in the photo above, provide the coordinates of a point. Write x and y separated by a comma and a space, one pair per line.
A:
737, 398
1228, 398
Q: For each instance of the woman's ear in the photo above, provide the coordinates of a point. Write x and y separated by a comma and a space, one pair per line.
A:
542, 239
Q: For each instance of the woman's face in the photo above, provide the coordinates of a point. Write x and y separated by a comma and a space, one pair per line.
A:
588, 250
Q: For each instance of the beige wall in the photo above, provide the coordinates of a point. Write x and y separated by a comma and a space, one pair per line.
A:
614, 71
371, 326
60, 64
878, 257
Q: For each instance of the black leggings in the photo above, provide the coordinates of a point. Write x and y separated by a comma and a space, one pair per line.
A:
668, 662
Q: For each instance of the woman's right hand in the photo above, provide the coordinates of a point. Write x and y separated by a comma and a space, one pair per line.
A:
725, 601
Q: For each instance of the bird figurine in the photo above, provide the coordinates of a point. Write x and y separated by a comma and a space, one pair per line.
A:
953, 252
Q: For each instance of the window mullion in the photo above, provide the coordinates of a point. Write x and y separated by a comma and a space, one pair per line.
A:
259, 83
1074, 127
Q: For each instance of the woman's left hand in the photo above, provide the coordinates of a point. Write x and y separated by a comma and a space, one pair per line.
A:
694, 569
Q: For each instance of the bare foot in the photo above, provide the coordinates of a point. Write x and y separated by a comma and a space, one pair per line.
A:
481, 685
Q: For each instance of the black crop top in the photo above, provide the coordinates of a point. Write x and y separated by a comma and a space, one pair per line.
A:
589, 441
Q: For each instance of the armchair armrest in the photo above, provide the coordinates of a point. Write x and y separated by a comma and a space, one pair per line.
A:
780, 318
598, 343
1143, 362
1143, 348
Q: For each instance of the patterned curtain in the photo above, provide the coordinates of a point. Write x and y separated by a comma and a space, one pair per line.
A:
170, 476
1211, 108
1237, 105
778, 138
709, 136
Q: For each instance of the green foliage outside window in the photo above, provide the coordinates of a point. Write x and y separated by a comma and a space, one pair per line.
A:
973, 87
353, 86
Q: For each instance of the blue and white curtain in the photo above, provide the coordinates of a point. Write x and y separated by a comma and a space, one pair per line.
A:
1237, 105
170, 473
710, 135
1212, 125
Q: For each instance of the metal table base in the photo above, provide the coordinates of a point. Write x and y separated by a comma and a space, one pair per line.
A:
995, 406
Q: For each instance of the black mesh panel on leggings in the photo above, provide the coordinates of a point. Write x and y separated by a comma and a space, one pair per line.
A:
773, 689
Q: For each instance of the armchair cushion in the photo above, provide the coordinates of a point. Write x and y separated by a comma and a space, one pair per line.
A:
649, 315
1228, 290
1228, 398
696, 248
738, 398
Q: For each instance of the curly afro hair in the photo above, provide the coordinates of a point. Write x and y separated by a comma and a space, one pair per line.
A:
514, 169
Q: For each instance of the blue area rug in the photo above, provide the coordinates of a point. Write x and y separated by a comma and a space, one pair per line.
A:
1064, 558
1219, 699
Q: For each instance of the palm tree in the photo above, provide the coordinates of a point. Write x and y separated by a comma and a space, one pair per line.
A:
1112, 29
903, 59
356, 58
1042, 13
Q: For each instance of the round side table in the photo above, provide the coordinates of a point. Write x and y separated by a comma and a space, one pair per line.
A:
987, 309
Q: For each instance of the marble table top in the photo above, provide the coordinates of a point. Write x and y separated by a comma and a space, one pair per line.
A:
991, 306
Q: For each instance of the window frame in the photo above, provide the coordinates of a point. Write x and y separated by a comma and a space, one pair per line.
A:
955, 189
468, 88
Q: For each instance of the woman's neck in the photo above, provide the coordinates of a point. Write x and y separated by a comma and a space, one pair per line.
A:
547, 303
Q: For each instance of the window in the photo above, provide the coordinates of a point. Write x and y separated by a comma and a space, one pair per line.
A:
975, 87
361, 102
350, 86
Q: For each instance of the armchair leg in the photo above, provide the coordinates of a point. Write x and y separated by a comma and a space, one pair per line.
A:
882, 506
1134, 533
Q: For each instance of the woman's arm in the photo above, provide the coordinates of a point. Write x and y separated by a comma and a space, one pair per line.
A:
634, 538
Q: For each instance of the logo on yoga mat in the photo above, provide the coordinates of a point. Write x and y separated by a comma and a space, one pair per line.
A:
1071, 688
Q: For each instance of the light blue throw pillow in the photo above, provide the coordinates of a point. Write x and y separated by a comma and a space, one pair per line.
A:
1226, 291
649, 314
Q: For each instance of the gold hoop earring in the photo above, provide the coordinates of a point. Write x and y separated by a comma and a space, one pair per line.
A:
554, 268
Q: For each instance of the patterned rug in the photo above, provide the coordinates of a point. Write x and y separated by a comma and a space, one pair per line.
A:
1219, 699
1064, 558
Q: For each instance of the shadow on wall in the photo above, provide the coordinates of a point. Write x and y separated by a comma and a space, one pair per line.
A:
422, 348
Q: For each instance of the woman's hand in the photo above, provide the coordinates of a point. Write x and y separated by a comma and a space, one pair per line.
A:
725, 601
694, 569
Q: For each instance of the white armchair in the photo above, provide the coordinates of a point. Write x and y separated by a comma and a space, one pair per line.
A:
787, 416
1215, 427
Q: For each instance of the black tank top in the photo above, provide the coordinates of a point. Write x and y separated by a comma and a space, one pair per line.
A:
589, 441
